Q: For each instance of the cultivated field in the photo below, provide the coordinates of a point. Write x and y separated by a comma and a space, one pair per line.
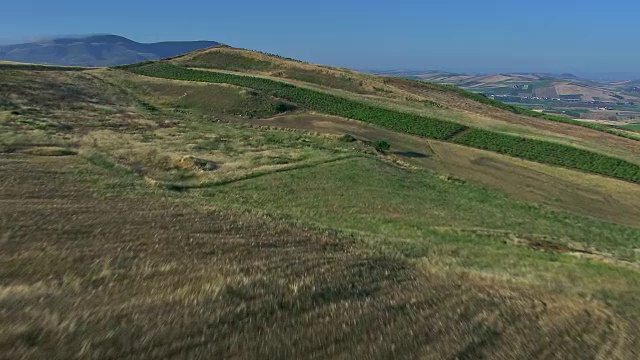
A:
429, 127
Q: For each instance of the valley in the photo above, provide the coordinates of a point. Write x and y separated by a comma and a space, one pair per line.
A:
614, 103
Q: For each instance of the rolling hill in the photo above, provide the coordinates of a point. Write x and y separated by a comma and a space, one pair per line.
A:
234, 204
96, 50
536, 85
566, 94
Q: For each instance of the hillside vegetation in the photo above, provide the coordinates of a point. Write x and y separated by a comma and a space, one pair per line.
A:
531, 149
161, 211
226, 58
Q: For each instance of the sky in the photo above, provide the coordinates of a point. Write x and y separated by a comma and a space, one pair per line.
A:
595, 38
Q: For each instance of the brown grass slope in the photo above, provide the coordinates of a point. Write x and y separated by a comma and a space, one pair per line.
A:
83, 276
410, 95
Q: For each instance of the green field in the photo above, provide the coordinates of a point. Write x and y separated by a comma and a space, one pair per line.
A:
415, 204
632, 127
550, 153
450, 225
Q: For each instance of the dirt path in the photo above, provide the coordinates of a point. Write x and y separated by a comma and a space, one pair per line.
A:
570, 190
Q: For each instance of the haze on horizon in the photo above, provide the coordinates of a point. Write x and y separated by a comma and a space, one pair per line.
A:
586, 38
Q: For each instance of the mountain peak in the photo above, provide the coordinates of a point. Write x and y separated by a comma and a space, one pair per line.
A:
97, 50
97, 38
107, 39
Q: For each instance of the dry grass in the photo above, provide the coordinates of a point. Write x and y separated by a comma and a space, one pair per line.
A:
588, 93
94, 263
82, 276
101, 112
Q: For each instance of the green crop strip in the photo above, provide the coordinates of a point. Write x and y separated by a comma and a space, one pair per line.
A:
549, 153
530, 149
35, 67
330, 104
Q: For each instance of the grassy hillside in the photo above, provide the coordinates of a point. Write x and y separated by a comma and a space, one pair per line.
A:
531, 149
154, 217
226, 58
37, 67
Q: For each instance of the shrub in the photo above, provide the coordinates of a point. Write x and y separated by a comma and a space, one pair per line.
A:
347, 138
381, 145
281, 107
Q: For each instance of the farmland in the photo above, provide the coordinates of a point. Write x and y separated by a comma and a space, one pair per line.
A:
558, 96
432, 128
549, 153
555, 154
522, 110
632, 127
560, 188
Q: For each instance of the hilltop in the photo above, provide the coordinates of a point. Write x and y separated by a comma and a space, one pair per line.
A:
415, 96
234, 204
96, 50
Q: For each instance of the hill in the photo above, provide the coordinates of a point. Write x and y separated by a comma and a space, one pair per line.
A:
234, 204
413, 96
96, 50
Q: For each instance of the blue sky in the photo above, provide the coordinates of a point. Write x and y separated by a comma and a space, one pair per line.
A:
582, 37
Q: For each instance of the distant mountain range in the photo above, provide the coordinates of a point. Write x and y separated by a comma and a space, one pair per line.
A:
557, 86
97, 50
